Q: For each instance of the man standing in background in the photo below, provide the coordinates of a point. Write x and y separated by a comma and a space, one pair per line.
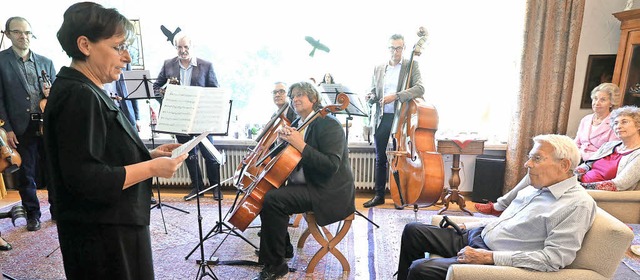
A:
22, 88
191, 71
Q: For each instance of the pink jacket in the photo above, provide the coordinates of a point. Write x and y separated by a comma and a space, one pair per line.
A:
589, 139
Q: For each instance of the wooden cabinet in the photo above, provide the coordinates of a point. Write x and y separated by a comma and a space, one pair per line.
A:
627, 69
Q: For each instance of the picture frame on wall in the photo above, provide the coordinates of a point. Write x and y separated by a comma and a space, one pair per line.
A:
599, 70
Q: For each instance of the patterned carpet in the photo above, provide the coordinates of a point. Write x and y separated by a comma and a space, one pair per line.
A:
371, 252
630, 259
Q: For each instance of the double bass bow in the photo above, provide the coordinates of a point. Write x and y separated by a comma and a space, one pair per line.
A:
278, 163
416, 169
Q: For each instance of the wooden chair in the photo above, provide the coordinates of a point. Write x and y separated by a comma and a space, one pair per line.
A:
327, 241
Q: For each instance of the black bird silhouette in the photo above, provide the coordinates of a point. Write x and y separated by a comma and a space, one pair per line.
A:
316, 45
168, 33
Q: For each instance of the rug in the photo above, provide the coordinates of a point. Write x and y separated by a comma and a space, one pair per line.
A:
372, 251
630, 259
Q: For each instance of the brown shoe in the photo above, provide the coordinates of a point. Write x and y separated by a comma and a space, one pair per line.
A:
487, 208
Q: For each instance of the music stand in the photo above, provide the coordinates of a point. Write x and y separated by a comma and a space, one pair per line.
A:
135, 79
206, 110
330, 94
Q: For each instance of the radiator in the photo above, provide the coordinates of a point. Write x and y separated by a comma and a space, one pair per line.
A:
362, 166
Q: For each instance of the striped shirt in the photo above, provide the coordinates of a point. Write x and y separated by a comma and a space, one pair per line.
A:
542, 229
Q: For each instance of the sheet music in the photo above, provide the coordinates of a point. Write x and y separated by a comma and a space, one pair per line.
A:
186, 147
188, 110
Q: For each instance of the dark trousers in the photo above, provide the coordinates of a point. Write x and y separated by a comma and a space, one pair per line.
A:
381, 138
419, 238
278, 205
94, 251
213, 168
30, 148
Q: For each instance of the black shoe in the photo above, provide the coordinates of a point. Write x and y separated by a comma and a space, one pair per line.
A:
192, 195
215, 194
398, 207
5, 247
153, 201
376, 200
33, 224
270, 272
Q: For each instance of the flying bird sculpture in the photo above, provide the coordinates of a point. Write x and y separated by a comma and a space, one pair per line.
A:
169, 34
316, 45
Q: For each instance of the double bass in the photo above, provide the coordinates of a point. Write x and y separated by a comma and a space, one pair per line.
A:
277, 164
416, 169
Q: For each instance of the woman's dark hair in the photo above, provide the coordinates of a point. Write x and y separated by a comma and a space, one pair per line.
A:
94, 22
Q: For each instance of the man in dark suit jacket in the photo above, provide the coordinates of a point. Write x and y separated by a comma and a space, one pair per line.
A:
191, 71
21, 90
322, 182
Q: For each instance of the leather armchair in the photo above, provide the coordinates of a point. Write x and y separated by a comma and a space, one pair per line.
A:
602, 250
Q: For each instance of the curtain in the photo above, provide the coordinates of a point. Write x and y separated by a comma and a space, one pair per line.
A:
551, 37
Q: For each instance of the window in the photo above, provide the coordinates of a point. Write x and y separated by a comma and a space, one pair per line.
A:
470, 63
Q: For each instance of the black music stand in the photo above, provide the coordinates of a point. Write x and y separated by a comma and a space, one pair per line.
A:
140, 78
330, 93
170, 128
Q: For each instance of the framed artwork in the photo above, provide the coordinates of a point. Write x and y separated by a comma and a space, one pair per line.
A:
599, 70
135, 50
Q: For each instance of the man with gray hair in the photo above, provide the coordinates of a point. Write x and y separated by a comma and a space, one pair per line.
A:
552, 209
187, 70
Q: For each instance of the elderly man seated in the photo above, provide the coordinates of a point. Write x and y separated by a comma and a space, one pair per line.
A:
542, 229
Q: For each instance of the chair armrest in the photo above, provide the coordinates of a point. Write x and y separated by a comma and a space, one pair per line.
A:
492, 272
623, 205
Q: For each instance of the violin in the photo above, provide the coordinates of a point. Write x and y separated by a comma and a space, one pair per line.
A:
278, 163
416, 169
10, 160
46, 83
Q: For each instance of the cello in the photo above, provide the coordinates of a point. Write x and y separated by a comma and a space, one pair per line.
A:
244, 174
416, 169
278, 163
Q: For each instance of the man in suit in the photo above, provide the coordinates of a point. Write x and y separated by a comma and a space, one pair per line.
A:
21, 90
192, 71
322, 182
280, 99
388, 90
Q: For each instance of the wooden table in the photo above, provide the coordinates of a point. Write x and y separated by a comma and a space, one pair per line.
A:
457, 148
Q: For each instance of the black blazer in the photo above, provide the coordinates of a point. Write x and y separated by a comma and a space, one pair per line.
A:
325, 161
88, 141
15, 104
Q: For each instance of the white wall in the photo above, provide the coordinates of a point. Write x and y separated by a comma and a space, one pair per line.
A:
600, 35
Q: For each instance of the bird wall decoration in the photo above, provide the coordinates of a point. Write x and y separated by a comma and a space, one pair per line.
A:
170, 35
316, 45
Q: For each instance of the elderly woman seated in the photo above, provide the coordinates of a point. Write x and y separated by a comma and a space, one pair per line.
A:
613, 167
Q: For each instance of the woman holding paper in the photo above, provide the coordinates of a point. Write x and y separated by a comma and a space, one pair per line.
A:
100, 168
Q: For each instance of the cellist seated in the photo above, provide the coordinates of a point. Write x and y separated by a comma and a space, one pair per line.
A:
321, 182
